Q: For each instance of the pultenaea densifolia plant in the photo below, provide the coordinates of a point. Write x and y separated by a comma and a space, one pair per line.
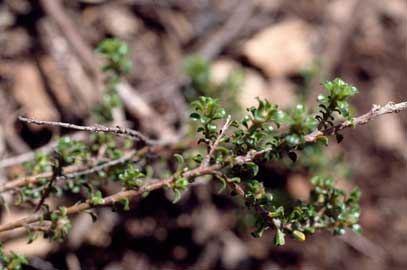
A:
229, 150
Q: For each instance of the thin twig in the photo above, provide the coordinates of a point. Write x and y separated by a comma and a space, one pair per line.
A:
375, 112
214, 145
126, 132
150, 119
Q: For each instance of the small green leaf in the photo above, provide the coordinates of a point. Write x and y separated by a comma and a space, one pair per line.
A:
223, 184
180, 161
323, 139
96, 198
300, 236
339, 231
125, 203
279, 238
339, 137
235, 180
356, 228
195, 116
253, 167
177, 196
260, 231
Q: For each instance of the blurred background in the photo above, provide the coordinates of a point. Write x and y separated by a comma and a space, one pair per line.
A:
239, 50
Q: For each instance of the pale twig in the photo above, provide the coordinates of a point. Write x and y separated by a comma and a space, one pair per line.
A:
150, 119
126, 132
214, 145
375, 112
207, 170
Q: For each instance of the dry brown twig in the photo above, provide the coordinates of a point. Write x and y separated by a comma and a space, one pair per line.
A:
154, 184
119, 131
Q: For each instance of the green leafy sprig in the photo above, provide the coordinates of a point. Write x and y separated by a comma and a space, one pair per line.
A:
336, 101
115, 53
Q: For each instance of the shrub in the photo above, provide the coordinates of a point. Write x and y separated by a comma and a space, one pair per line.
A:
229, 150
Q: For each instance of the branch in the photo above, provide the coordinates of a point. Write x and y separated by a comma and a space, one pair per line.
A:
375, 112
70, 172
213, 169
125, 132
110, 200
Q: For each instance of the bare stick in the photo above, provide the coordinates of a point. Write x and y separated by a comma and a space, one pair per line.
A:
126, 132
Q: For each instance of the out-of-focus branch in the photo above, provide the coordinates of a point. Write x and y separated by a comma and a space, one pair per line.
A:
55, 10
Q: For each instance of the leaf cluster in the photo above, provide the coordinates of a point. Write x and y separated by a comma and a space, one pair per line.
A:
11, 261
117, 65
336, 101
275, 132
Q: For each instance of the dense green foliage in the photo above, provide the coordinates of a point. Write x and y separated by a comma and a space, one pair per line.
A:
11, 261
236, 152
270, 131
